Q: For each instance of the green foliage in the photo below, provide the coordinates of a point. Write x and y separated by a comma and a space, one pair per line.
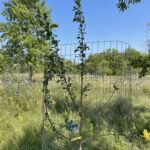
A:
142, 63
105, 63
146, 91
122, 5
69, 66
112, 62
23, 32
2, 59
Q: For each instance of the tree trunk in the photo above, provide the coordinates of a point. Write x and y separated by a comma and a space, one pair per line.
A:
81, 147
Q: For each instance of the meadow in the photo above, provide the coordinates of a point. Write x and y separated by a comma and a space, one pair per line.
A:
115, 118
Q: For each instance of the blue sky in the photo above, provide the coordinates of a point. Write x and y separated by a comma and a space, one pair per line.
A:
104, 21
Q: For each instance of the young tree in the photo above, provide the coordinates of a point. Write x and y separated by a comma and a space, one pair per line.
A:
25, 42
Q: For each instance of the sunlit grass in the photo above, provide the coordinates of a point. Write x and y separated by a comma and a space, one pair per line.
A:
21, 113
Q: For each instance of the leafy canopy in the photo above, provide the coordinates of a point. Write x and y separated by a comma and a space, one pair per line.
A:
26, 43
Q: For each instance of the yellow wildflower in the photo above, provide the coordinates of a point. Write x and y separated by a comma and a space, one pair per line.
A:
146, 135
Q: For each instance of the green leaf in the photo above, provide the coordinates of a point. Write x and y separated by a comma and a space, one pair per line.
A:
54, 26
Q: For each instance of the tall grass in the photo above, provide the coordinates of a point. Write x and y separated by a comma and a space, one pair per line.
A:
105, 128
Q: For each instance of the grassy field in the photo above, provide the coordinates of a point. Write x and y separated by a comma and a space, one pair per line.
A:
112, 121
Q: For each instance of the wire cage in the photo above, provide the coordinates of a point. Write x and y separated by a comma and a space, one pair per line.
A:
112, 108
107, 103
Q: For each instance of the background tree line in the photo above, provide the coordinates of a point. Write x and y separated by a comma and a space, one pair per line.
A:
26, 43
108, 62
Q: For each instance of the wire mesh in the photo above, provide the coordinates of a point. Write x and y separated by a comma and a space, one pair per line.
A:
108, 110
112, 105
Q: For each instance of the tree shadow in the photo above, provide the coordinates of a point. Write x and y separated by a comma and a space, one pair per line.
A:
31, 140
119, 115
